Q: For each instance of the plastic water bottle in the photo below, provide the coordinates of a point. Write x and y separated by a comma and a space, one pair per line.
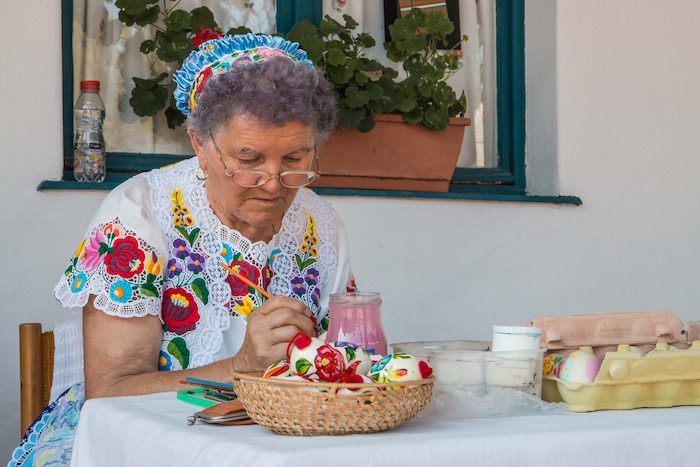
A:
89, 163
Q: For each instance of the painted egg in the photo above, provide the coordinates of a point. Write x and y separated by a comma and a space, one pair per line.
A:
278, 369
399, 367
310, 355
581, 366
356, 360
355, 378
306, 379
551, 364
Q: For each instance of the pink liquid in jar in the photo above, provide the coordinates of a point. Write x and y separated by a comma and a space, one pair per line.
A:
355, 317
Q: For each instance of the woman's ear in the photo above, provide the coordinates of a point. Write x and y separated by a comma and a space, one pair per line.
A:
199, 148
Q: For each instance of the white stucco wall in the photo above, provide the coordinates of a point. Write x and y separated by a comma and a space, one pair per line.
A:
612, 115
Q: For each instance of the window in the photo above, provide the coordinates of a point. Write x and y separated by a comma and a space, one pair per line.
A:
500, 176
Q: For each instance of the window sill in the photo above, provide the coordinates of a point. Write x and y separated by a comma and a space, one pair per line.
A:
472, 192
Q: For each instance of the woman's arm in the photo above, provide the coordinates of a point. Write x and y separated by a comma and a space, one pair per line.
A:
121, 354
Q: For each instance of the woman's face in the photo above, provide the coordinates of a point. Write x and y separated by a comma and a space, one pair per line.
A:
246, 144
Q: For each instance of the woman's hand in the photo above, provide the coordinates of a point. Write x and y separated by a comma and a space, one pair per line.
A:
269, 330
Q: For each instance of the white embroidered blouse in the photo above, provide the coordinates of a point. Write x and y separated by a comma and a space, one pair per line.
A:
155, 247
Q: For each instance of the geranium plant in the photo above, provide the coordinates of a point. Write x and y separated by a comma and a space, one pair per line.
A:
364, 86
176, 33
424, 96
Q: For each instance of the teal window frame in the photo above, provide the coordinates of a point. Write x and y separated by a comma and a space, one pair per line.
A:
505, 182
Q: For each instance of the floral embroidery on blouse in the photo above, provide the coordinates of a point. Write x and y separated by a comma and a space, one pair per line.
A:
115, 254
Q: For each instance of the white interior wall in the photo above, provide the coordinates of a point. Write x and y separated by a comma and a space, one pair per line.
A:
616, 104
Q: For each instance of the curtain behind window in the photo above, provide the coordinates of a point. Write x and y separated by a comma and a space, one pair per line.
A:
106, 50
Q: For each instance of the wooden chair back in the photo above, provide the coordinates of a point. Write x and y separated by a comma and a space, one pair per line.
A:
36, 350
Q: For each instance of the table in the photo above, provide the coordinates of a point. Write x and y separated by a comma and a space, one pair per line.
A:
152, 430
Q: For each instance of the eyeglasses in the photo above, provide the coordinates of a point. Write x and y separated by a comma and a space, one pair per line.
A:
250, 178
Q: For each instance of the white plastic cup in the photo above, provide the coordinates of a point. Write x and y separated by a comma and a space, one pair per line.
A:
507, 338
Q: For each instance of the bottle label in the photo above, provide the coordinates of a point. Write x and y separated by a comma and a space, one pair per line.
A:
87, 154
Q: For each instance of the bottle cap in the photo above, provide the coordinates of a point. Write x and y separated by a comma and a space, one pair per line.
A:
92, 85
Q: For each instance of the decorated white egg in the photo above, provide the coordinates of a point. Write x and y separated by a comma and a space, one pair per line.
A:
581, 366
310, 355
399, 367
356, 359
278, 369
355, 378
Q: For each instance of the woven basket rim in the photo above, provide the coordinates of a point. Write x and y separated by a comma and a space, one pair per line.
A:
333, 386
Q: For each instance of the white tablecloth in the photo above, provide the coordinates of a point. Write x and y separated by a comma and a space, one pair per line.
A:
152, 430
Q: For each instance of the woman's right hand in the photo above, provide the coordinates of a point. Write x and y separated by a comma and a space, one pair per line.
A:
269, 330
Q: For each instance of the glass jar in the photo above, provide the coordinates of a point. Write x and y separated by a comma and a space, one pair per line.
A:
355, 317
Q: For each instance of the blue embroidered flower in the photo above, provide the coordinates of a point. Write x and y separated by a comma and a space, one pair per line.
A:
311, 276
195, 263
79, 282
227, 253
164, 361
298, 286
174, 268
180, 249
315, 297
120, 291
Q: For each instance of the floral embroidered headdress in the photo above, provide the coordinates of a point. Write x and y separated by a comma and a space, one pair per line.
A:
219, 55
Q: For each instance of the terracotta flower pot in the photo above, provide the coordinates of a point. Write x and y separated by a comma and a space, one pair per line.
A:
393, 156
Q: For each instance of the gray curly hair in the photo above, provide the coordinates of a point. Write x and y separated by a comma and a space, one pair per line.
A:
275, 91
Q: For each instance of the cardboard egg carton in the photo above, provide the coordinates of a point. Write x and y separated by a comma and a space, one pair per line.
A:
627, 380
604, 331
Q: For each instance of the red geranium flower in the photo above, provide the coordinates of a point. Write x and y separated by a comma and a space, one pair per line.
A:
127, 259
179, 311
329, 363
205, 35
250, 272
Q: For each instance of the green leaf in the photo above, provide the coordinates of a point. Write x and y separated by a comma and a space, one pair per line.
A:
336, 57
177, 20
350, 23
148, 102
134, 7
193, 235
356, 98
350, 354
436, 118
175, 118
126, 18
199, 287
149, 290
302, 366
414, 116
341, 74
239, 30
299, 262
174, 46
361, 78
149, 16
202, 16
374, 91
306, 35
367, 124
365, 40
183, 231
349, 118
178, 349
307, 263
147, 46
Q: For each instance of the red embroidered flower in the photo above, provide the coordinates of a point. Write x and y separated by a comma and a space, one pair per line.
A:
250, 272
205, 35
266, 274
179, 311
425, 370
127, 259
329, 363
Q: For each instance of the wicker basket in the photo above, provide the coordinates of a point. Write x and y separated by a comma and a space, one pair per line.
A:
310, 409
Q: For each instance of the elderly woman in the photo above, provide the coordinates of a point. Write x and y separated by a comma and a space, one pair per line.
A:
151, 273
